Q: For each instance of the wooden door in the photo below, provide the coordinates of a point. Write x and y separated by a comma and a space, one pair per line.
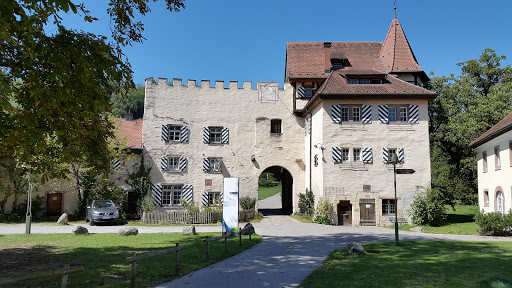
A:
344, 213
367, 212
53, 204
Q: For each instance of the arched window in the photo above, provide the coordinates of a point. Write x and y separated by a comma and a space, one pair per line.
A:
500, 203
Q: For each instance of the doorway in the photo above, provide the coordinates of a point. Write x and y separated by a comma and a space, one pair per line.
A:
367, 212
344, 213
283, 178
53, 204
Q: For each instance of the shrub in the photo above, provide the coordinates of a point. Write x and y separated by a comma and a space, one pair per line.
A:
428, 208
494, 224
247, 203
323, 212
268, 180
307, 203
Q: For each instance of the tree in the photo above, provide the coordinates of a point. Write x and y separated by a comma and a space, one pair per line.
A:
57, 111
140, 181
467, 106
132, 102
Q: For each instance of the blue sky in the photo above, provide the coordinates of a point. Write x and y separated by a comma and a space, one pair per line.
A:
246, 40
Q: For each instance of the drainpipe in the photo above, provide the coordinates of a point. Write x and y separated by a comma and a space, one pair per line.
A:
310, 149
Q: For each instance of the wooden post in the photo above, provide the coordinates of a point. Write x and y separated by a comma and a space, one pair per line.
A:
65, 276
177, 257
207, 249
133, 270
250, 237
240, 236
226, 245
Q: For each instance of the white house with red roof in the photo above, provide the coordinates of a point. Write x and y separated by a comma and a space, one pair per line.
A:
494, 154
346, 108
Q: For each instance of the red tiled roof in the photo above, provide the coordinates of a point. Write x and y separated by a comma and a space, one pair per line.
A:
396, 53
130, 131
307, 59
502, 127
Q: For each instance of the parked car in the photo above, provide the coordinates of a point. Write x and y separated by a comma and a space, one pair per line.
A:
102, 211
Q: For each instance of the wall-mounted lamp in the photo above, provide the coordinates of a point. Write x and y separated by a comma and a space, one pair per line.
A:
320, 146
316, 160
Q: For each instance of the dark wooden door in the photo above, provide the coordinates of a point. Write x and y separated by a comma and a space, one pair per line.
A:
53, 204
367, 212
132, 203
344, 213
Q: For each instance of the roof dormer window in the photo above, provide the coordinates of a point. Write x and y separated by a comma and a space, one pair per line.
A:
364, 81
337, 63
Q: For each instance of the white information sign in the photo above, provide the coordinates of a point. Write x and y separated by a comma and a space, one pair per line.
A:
230, 205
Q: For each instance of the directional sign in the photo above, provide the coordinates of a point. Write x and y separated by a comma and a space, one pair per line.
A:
405, 171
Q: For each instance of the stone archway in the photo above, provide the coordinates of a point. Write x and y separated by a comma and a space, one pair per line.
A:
287, 187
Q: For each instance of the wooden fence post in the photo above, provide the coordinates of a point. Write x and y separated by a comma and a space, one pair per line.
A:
207, 249
65, 277
226, 245
240, 236
177, 258
133, 270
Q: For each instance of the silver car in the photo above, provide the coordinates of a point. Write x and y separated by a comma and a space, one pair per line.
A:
102, 211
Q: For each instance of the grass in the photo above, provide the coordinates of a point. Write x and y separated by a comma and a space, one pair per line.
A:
302, 218
459, 221
418, 264
265, 192
104, 257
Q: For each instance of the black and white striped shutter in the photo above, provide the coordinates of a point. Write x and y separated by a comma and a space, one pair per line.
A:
383, 114
184, 134
206, 135
156, 191
165, 133
367, 155
367, 114
204, 199
301, 92
336, 154
385, 155
222, 198
164, 163
401, 156
225, 136
414, 114
116, 164
183, 163
206, 164
188, 194
336, 113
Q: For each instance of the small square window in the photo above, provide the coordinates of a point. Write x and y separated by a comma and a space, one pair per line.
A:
308, 92
173, 163
215, 164
345, 154
356, 114
388, 207
391, 152
174, 133
357, 154
214, 198
275, 126
215, 135
171, 194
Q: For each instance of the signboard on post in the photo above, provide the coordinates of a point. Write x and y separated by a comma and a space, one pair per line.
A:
405, 171
230, 206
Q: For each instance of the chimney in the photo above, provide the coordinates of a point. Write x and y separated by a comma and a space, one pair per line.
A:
129, 116
327, 54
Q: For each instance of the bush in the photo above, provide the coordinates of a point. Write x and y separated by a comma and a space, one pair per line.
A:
323, 212
268, 180
428, 208
494, 224
247, 203
307, 203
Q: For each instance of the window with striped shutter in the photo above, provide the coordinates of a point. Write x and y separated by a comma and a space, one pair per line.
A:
206, 135
336, 113
156, 192
225, 136
184, 134
116, 164
206, 164
163, 163
367, 155
367, 114
188, 194
414, 113
383, 114
337, 154
183, 163
165, 133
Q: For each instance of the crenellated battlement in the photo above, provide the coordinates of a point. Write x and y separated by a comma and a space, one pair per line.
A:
177, 82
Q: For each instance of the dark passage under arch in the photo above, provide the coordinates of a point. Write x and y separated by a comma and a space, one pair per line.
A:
286, 192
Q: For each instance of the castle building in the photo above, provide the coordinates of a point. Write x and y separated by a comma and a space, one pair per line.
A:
344, 110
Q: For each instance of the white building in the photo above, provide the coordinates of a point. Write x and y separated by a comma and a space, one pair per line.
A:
494, 154
345, 109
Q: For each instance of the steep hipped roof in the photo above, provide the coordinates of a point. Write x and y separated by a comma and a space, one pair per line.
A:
306, 60
502, 127
130, 131
396, 53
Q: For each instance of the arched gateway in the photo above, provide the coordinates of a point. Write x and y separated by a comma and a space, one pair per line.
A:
287, 187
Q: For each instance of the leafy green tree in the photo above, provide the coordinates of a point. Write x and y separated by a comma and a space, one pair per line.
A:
307, 203
133, 102
428, 208
56, 113
467, 106
140, 181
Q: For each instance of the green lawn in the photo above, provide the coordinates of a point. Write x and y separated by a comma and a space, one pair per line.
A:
459, 221
104, 257
265, 192
418, 264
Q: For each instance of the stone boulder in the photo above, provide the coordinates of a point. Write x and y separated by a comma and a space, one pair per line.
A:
416, 229
63, 219
127, 231
189, 230
80, 230
250, 229
355, 248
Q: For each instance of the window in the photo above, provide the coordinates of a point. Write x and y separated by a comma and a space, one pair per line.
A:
500, 203
392, 151
364, 81
174, 133
214, 198
345, 154
215, 135
275, 126
497, 160
353, 81
392, 114
215, 164
344, 114
357, 154
484, 161
403, 114
308, 92
356, 114
486, 198
388, 207
171, 194
398, 113
173, 163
